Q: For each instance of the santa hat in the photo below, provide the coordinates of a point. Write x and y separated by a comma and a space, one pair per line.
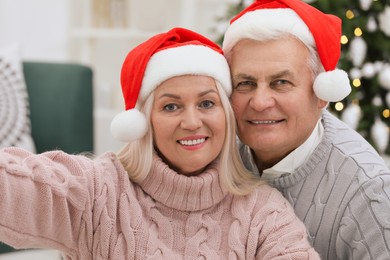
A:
174, 53
308, 24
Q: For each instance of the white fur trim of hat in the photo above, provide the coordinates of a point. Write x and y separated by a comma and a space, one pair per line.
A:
185, 60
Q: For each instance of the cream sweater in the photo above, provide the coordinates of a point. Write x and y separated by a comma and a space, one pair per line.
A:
89, 209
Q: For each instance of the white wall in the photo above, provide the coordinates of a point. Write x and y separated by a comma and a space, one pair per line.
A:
39, 26
42, 27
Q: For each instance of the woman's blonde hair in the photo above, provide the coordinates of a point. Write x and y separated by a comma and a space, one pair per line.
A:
137, 156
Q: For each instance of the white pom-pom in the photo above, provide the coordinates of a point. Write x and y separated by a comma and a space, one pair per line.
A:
332, 86
129, 125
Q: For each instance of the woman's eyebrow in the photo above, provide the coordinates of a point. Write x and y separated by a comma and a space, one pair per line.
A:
169, 95
207, 92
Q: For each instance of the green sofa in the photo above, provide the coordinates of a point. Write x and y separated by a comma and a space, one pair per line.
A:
61, 108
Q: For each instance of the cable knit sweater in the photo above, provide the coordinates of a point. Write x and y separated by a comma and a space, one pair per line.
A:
88, 209
342, 194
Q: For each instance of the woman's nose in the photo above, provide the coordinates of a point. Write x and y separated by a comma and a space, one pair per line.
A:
191, 119
262, 99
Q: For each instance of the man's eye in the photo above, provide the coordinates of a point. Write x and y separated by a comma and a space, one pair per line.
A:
245, 86
280, 82
170, 107
281, 85
207, 104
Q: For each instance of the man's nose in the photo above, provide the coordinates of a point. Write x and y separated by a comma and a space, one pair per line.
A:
262, 99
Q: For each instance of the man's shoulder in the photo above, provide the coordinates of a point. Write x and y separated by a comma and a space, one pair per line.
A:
340, 131
349, 145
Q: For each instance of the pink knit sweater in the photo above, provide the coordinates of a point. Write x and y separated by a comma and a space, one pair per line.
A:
88, 209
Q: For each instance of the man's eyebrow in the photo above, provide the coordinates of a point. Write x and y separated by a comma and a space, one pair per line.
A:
241, 76
281, 74
244, 76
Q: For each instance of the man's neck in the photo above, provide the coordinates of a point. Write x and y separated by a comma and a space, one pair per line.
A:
265, 163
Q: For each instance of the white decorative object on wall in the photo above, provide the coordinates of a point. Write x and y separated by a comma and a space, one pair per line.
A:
380, 135
355, 73
378, 65
388, 98
377, 101
368, 70
357, 51
384, 77
372, 26
384, 20
352, 115
365, 4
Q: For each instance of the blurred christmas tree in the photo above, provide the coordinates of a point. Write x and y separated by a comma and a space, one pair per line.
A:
365, 56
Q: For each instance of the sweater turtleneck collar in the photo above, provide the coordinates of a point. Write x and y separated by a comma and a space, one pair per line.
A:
185, 193
319, 154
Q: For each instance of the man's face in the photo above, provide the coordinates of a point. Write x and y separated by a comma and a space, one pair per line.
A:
272, 97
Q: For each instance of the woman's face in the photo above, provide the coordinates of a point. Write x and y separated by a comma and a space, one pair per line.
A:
189, 123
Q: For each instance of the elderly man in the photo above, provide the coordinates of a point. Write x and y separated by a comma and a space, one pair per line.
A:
283, 56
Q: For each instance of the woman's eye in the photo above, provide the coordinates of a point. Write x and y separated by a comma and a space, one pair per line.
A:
207, 104
170, 107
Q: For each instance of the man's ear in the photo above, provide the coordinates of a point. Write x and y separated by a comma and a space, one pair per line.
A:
322, 103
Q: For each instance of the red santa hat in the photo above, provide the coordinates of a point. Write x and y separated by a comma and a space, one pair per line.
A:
322, 31
174, 53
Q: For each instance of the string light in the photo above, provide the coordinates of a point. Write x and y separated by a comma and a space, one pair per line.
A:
356, 83
339, 106
344, 39
386, 113
358, 32
349, 14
